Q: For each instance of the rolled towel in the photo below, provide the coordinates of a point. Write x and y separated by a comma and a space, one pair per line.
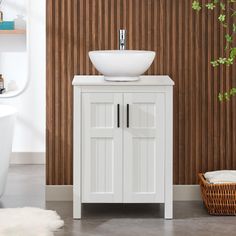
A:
221, 176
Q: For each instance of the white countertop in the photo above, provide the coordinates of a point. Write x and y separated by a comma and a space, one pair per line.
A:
146, 80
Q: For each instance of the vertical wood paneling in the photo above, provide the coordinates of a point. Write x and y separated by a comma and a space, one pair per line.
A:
185, 42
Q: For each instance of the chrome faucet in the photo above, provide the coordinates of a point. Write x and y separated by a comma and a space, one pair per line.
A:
122, 39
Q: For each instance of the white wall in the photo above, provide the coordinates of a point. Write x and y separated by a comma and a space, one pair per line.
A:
30, 127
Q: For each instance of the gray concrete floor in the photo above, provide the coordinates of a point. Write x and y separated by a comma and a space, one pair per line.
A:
25, 187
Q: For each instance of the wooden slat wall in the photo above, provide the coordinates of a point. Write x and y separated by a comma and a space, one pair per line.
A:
185, 42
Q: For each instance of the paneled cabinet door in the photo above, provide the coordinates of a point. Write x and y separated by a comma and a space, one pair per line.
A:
102, 147
144, 126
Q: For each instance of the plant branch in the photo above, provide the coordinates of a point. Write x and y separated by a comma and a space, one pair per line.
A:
232, 9
230, 49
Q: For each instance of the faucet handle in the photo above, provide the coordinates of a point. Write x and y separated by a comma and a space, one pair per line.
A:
122, 39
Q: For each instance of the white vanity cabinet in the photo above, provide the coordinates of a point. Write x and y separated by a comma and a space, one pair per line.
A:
123, 141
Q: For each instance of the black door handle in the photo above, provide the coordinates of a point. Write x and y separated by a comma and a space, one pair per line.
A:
127, 118
118, 115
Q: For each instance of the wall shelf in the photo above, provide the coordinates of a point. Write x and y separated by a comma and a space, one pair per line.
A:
16, 31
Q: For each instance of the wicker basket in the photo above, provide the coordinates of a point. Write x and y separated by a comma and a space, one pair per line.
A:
219, 199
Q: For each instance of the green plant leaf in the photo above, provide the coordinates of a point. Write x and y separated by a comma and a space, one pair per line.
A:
229, 38
221, 17
222, 60
227, 96
234, 28
230, 61
233, 53
221, 97
233, 92
222, 6
210, 6
196, 6
214, 63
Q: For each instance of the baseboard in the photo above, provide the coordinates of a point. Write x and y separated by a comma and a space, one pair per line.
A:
28, 158
65, 193
187, 193
59, 193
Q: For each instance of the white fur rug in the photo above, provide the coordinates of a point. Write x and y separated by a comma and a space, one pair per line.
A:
29, 222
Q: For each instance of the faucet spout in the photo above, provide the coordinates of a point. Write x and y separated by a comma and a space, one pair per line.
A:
122, 39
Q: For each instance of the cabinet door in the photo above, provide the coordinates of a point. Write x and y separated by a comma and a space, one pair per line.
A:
144, 147
102, 147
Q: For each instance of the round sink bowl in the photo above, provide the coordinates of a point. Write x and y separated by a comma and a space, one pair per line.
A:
122, 65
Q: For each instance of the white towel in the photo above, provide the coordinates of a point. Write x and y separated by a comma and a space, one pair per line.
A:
221, 176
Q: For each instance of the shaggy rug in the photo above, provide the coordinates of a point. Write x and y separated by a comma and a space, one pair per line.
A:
29, 222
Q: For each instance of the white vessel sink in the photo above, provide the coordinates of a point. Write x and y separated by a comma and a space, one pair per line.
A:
122, 65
